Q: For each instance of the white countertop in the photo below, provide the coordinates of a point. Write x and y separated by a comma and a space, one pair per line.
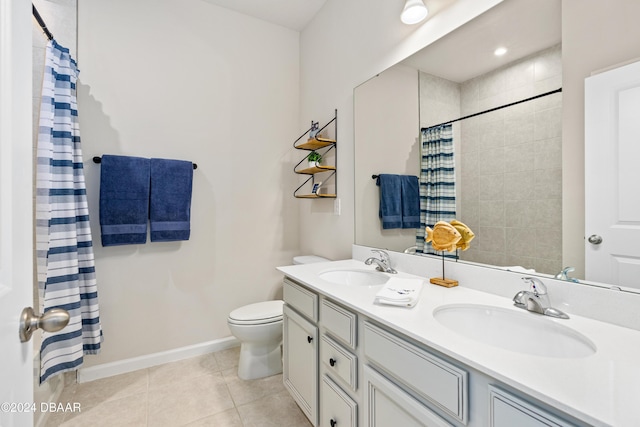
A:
601, 389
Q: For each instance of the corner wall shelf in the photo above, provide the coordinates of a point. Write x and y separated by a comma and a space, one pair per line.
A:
313, 143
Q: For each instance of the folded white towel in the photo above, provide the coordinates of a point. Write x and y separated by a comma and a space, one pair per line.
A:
402, 292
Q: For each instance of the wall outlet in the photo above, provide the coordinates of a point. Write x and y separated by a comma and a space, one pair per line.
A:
336, 207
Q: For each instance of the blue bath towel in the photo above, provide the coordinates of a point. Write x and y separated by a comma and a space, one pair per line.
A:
390, 211
171, 185
124, 200
410, 201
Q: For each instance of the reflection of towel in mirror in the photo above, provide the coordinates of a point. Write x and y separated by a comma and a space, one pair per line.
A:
401, 292
170, 211
390, 211
410, 189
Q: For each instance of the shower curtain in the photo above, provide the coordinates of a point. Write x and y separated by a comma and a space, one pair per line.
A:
64, 251
437, 182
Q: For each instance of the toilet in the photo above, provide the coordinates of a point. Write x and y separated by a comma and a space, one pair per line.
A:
258, 327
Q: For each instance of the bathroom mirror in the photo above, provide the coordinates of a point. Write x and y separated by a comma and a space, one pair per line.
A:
516, 213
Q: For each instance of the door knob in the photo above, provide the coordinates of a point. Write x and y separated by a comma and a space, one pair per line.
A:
594, 239
51, 321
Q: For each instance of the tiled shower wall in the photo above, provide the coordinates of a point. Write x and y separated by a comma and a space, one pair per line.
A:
509, 174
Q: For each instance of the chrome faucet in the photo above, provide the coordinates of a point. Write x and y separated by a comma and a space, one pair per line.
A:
536, 299
564, 275
384, 262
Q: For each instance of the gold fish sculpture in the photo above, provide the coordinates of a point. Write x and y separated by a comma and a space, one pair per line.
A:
443, 236
465, 233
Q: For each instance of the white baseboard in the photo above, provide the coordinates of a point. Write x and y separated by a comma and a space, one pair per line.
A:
128, 365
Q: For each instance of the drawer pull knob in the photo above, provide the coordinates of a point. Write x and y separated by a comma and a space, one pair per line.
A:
309, 339
333, 423
332, 362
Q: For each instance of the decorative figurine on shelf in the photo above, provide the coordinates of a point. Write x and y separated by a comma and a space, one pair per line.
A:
448, 237
314, 129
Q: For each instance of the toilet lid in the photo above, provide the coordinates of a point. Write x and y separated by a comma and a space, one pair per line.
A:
260, 312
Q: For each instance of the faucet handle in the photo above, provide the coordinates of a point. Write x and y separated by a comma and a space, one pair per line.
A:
536, 285
564, 275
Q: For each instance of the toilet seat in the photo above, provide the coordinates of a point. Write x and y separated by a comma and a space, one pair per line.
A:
259, 313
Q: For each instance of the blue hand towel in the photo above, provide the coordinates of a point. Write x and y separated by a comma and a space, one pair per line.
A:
171, 185
390, 201
410, 201
124, 200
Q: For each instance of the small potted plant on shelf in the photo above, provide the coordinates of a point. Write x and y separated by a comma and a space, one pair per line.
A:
314, 159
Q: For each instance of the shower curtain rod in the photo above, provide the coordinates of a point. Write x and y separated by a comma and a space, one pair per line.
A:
36, 15
495, 108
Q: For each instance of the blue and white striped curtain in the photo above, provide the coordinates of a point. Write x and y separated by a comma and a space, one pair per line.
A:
64, 251
437, 182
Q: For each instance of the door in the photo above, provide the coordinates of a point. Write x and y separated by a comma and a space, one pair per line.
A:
612, 176
16, 277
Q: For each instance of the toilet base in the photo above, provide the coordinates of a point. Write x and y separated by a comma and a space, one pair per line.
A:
259, 360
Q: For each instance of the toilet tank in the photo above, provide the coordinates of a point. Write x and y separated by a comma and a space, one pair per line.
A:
308, 259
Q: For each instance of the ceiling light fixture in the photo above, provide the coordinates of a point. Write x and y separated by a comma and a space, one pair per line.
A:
500, 51
414, 11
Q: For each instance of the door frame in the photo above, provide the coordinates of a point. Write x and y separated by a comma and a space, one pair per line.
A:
16, 210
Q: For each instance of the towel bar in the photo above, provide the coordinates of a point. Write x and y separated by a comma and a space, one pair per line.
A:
98, 159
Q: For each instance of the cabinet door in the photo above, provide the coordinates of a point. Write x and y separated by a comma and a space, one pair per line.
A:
507, 410
338, 409
300, 359
388, 405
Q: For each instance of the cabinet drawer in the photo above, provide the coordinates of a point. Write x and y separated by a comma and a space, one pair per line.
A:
339, 361
338, 409
339, 322
302, 299
506, 410
428, 376
388, 405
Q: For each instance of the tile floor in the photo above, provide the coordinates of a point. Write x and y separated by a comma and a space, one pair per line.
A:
196, 392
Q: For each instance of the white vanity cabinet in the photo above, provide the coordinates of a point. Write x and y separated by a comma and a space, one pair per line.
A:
300, 347
346, 368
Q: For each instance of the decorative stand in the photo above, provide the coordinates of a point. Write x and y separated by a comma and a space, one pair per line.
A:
447, 283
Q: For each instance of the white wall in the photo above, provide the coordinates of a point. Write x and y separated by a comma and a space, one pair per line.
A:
347, 43
189, 80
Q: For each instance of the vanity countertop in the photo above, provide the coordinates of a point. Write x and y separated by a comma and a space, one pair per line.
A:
601, 389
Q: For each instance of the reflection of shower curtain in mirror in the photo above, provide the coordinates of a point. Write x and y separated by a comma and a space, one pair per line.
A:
437, 182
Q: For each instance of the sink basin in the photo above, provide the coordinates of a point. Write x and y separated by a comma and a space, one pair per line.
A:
522, 332
354, 277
